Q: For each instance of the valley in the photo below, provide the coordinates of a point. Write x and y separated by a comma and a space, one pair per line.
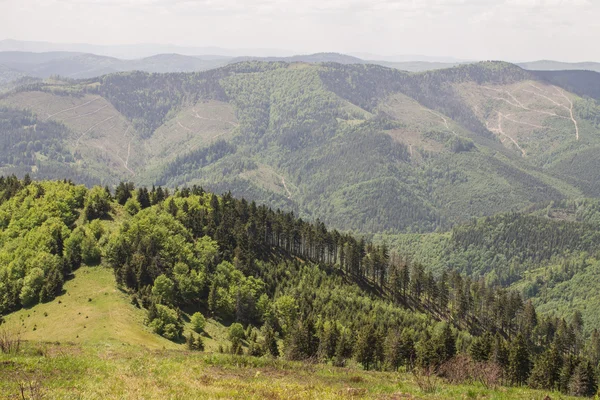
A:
296, 206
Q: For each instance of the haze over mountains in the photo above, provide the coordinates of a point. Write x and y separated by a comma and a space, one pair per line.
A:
361, 146
76, 61
443, 191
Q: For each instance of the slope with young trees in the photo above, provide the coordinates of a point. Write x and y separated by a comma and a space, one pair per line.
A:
286, 287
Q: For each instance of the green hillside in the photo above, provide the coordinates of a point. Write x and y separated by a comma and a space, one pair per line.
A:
88, 272
362, 147
548, 253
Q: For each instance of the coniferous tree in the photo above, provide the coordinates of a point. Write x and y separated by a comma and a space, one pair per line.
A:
364, 348
519, 361
481, 348
344, 348
447, 344
583, 382
546, 370
328, 341
270, 340
143, 197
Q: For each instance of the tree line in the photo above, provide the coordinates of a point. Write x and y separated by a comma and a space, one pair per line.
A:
287, 287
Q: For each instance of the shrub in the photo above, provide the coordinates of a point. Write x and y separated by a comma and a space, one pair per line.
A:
165, 321
236, 332
198, 322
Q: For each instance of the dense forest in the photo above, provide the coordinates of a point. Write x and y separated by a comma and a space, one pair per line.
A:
286, 287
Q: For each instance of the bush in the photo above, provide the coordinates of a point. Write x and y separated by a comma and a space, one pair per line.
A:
165, 321
132, 206
31, 287
90, 252
198, 322
236, 332
463, 369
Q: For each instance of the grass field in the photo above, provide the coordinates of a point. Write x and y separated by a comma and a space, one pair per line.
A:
91, 343
91, 311
72, 371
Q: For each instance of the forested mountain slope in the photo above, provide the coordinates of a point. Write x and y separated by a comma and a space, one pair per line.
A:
548, 253
362, 147
284, 287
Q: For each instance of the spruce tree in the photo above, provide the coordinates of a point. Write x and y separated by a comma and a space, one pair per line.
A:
364, 349
270, 340
546, 370
519, 361
481, 348
583, 381
445, 345
393, 351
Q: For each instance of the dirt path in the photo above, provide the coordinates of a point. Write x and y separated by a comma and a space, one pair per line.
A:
443, 119
508, 117
285, 187
214, 119
570, 111
92, 127
518, 104
72, 108
127, 160
86, 114
184, 127
556, 103
500, 131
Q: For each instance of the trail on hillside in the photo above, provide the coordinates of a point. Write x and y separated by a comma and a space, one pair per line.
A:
570, 111
285, 187
568, 108
443, 119
500, 131
184, 127
518, 104
89, 130
214, 119
71, 108
543, 94
508, 117
86, 114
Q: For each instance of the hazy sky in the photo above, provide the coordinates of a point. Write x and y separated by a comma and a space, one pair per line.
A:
515, 30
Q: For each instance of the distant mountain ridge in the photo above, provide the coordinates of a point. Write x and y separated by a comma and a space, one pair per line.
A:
362, 146
134, 51
81, 65
548, 65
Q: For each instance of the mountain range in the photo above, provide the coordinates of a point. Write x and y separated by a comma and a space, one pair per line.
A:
363, 147
41, 59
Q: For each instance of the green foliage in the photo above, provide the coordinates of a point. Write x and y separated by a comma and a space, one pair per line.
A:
165, 321
198, 322
327, 131
97, 204
35, 245
236, 332
163, 290
328, 296
519, 361
132, 206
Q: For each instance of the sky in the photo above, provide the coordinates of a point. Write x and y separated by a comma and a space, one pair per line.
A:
511, 30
